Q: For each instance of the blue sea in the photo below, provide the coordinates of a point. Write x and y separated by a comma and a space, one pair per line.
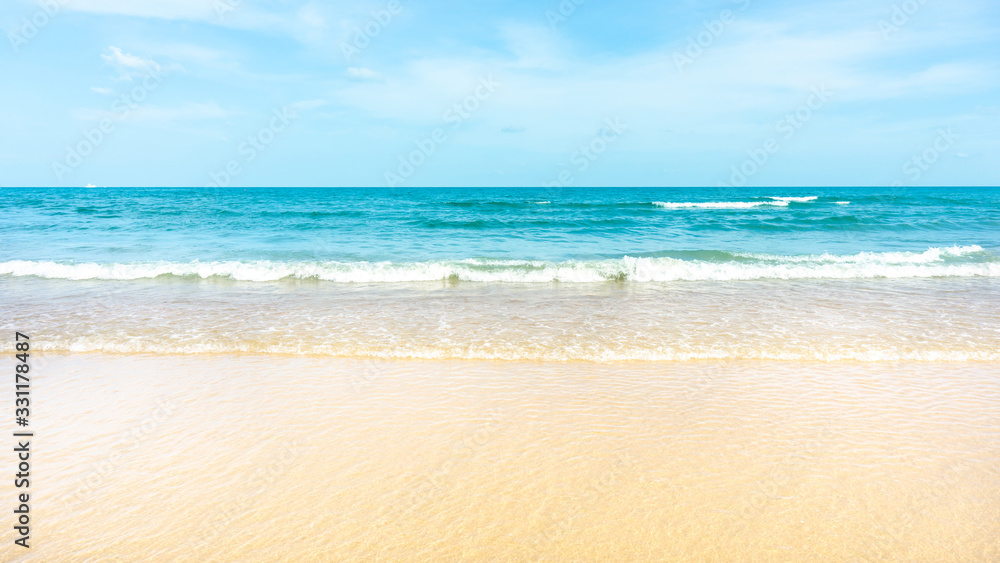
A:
551, 274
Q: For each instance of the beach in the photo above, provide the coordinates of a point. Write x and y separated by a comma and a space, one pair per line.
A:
223, 458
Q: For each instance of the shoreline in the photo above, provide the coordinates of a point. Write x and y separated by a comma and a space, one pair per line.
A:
947, 320
517, 361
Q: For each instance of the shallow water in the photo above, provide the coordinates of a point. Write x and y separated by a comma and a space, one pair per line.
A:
227, 458
826, 320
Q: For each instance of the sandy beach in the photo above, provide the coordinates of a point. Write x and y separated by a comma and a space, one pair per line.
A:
230, 458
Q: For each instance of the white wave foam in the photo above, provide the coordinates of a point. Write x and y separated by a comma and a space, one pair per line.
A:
775, 201
842, 202
796, 199
934, 262
719, 204
929, 256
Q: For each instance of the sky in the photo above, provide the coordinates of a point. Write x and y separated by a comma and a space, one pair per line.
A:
407, 93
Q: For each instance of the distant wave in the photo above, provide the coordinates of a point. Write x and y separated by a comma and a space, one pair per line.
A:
775, 201
796, 199
956, 261
718, 204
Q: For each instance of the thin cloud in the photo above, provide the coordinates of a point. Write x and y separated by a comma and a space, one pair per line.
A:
131, 66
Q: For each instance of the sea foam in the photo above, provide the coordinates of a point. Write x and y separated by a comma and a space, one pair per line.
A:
775, 201
956, 261
719, 204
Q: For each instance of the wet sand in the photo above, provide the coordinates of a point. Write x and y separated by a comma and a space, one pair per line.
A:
282, 458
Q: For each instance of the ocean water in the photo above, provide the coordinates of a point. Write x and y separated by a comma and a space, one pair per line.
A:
556, 274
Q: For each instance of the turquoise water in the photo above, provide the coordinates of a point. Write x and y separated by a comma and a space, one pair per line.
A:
497, 235
604, 275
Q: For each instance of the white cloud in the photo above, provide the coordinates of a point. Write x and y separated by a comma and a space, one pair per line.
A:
738, 87
121, 60
102, 90
761, 67
130, 66
321, 25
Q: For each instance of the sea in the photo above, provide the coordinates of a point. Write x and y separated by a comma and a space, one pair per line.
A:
538, 274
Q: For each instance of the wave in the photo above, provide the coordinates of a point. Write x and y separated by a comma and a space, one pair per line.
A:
719, 204
775, 201
805, 199
955, 261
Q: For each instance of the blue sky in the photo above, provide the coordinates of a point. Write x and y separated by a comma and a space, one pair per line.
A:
488, 93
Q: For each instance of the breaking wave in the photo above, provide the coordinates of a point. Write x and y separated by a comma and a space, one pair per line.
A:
955, 261
773, 202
